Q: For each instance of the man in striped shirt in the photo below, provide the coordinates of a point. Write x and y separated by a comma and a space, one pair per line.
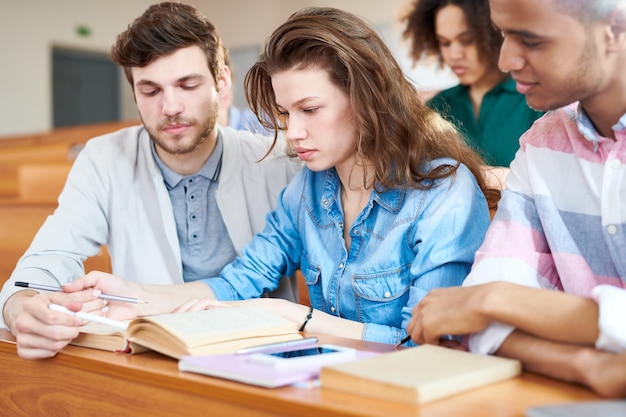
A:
547, 286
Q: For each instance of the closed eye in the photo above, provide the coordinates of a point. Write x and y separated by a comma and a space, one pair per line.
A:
190, 86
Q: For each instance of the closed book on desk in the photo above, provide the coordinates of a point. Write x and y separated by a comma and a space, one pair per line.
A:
418, 375
219, 330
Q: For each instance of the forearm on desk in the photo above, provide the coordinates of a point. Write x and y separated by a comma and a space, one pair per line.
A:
547, 314
604, 372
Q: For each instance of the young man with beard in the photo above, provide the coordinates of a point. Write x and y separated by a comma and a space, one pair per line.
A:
547, 286
174, 200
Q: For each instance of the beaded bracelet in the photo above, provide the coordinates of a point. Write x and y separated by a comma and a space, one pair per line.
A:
308, 317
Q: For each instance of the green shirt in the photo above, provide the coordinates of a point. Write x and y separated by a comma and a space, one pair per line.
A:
504, 116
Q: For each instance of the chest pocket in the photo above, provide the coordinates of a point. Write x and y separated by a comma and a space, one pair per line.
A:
380, 297
312, 278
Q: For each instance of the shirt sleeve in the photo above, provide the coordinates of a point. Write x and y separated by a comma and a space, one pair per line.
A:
612, 307
270, 256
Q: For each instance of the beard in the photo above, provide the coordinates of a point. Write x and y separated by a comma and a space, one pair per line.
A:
192, 139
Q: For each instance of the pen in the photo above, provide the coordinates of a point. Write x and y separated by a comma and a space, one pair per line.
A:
280, 346
90, 317
407, 338
403, 341
57, 289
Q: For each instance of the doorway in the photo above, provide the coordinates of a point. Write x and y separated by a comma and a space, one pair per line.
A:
85, 88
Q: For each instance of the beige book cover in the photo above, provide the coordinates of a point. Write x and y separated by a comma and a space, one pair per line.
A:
418, 375
219, 330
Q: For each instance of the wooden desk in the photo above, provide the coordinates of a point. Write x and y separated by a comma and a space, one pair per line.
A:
88, 382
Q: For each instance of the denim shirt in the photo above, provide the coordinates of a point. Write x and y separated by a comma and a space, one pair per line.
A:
404, 243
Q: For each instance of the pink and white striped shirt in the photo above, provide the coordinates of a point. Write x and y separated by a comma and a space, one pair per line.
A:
561, 222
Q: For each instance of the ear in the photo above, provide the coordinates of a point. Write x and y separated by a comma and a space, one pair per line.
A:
616, 32
224, 83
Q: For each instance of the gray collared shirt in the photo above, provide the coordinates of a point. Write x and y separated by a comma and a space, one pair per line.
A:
205, 245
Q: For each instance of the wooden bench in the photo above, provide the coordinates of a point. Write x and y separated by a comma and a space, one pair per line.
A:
11, 159
19, 222
42, 182
57, 147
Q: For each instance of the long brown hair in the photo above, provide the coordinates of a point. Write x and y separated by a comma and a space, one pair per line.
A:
398, 134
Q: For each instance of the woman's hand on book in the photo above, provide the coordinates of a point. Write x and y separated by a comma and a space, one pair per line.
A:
197, 304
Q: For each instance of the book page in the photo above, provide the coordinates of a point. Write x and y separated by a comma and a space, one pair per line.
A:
210, 326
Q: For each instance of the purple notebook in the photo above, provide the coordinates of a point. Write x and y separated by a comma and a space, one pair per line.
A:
240, 368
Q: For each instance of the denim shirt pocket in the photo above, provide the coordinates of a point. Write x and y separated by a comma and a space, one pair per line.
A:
312, 277
381, 296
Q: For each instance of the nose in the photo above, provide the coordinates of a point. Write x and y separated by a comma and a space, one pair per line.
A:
296, 129
171, 104
510, 58
456, 51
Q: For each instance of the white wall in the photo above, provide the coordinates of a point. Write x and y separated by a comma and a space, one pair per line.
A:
30, 28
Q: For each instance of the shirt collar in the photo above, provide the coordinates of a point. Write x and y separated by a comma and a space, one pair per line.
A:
390, 200
586, 127
210, 170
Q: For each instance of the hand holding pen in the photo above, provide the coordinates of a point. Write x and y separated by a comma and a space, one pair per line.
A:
59, 289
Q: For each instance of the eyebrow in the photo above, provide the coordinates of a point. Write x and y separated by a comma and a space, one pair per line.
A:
467, 32
178, 81
300, 102
518, 32
522, 33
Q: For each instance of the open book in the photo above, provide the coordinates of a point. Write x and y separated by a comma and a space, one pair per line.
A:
418, 374
219, 330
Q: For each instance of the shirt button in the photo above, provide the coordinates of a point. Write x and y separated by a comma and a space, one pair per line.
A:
356, 232
612, 229
616, 164
190, 180
341, 225
192, 197
341, 265
193, 217
387, 294
332, 309
194, 236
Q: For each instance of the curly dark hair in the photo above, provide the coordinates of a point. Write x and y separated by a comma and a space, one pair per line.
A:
421, 34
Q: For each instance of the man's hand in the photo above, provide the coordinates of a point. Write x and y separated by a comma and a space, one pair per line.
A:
41, 332
448, 311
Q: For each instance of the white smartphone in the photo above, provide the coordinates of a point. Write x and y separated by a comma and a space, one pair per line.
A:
304, 359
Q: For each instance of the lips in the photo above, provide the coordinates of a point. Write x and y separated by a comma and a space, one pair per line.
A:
175, 129
304, 154
459, 70
523, 87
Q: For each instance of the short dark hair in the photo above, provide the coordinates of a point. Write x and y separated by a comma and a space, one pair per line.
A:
163, 29
421, 34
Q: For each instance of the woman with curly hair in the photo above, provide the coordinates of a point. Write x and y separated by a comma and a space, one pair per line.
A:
485, 105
